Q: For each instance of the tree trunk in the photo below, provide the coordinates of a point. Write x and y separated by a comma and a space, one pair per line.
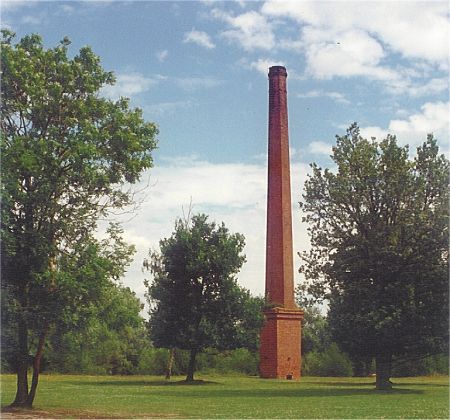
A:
22, 368
23, 273
37, 366
170, 363
191, 367
383, 371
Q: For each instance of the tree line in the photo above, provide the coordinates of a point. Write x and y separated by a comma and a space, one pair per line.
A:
378, 228
115, 340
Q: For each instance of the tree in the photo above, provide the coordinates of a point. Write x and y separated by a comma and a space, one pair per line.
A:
110, 340
67, 156
315, 329
195, 300
379, 235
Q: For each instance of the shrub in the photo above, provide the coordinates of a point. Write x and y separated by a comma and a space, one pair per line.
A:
239, 361
431, 365
153, 361
331, 362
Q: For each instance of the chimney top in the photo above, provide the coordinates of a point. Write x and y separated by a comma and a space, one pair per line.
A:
277, 70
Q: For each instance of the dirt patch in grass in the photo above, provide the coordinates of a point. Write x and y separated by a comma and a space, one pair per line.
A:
21, 413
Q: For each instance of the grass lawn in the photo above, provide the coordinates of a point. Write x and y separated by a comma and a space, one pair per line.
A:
76, 396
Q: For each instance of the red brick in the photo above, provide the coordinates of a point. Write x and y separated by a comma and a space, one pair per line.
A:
281, 334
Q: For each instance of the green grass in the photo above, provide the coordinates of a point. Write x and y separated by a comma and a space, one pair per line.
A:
71, 396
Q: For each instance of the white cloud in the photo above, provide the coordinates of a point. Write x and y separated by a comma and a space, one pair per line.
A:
351, 38
101, 3
351, 53
8, 5
195, 83
241, 3
431, 87
241, 183
162, 55
320, 148
33, 19
129, 84
67, 8
336, 96
413, 29
10, 17
167, 108
373, 131
262, 65
432, 118
200, 38
230, 192
251, 30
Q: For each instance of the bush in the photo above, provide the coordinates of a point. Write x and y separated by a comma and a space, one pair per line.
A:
153, 361
431, 365
242, 361
236, 361
331, 362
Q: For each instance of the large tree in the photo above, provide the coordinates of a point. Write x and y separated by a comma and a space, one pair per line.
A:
194, 297
379, 235
68, 155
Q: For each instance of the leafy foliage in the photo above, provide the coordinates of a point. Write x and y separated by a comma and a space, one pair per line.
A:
379, 235
316, 334
195, 299
330, 362
67, 154
111, 340
315, 331
436, 364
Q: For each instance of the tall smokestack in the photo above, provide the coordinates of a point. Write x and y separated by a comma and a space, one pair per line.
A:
281, 333
279, 261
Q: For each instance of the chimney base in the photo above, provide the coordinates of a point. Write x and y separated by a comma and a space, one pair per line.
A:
280, 344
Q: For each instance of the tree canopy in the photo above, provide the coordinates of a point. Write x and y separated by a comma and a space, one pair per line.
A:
110, 340
68, 155
379, 234
194, 297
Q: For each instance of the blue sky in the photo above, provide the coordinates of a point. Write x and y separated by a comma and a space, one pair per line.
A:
199, 70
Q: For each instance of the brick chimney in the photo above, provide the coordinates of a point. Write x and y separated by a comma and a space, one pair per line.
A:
281, 333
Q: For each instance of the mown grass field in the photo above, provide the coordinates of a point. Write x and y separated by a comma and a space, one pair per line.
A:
76, 396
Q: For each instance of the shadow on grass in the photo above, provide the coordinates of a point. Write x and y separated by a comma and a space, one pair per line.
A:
422, 384
329, 390
291, 393
346, 384
121, 383
372, 384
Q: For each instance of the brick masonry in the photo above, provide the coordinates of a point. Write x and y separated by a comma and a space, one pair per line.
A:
280, 347
281, 334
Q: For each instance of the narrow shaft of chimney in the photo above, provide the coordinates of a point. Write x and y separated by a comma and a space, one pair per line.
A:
279, 258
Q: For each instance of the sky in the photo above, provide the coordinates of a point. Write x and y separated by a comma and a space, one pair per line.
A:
199, 70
